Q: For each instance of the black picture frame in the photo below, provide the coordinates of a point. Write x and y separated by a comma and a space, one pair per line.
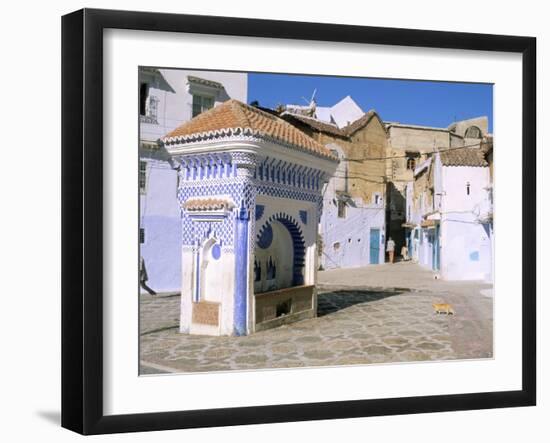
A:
82, 218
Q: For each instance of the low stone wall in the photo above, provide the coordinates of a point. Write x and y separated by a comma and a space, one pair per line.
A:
283, 306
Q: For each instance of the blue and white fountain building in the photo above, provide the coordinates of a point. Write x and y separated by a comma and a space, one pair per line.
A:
250, 194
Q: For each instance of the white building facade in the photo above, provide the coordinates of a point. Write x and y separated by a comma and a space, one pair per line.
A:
352, 230
168, 97
450, 218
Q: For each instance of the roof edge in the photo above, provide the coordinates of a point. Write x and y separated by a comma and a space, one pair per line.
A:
240, 133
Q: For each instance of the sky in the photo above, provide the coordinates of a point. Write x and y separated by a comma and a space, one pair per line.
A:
406, 101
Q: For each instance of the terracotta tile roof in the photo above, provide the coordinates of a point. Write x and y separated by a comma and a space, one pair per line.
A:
235, 118
463, 157
328, 128
313, 123
207, 204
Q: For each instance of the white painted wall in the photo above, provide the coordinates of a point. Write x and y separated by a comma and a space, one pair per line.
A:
352, 233
342, 113
219, 289
465, 244
176, 107
282, 256
346, 111
160, 220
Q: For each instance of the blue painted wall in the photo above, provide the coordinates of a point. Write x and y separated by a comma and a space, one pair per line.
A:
161, 221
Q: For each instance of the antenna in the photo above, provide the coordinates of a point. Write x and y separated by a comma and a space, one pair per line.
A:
312, 100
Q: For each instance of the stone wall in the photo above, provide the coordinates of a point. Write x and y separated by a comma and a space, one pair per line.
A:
284, 306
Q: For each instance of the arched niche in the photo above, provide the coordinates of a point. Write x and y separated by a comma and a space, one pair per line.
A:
211, 268
279, 256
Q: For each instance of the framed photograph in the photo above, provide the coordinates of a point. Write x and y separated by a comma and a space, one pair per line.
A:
269, 221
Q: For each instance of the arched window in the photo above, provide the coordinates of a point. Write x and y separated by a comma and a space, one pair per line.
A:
411, 163
473, 132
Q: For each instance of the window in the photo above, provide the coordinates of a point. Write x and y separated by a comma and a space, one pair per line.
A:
467, 188
377, 199
201, 104
148, 105
143, 92
411, 163
142, 176
341, 209
141, 235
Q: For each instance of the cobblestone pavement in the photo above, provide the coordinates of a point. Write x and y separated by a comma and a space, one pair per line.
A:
354, 326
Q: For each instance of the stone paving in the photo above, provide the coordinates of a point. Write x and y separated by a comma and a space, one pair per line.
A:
357, 325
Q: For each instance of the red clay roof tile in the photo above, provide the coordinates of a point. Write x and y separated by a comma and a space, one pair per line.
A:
233, 114
207, 204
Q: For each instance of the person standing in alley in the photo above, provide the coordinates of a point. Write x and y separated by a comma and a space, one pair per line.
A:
405, 253
390, 249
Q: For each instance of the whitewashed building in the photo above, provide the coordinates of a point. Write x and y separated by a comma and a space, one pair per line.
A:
341, 114
168, 97
450, 214
408, 146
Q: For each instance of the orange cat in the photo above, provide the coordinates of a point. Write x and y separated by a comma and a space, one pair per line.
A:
441, 308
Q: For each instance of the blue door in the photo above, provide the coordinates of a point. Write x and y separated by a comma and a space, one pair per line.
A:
436, 250
374, 246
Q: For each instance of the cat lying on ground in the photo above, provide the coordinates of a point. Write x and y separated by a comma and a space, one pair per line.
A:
441, 308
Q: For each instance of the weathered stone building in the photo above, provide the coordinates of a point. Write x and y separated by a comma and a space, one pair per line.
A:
352, 225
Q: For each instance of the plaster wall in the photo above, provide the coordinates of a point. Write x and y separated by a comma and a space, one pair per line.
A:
274, 205
160, 221
423, 139
175, 106
346, 241
159, 209
304, 214
345, 112
280, 253
220, 289
465, 242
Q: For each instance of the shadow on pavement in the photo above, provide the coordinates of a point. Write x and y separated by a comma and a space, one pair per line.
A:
331, 302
